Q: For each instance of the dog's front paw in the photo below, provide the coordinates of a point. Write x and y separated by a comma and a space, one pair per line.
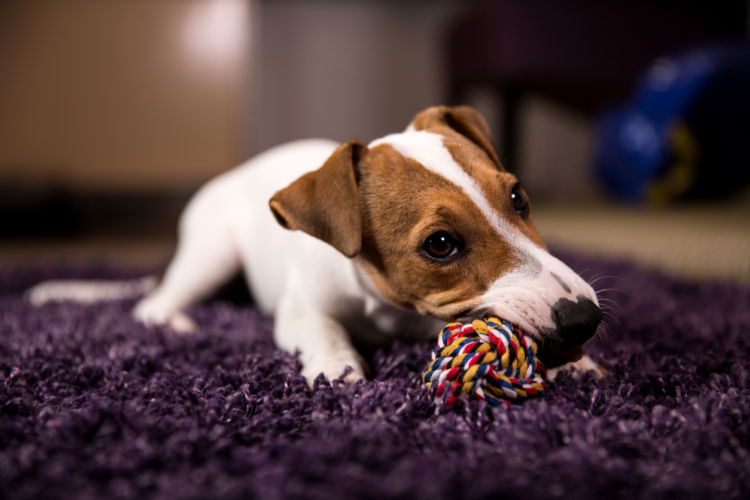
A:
578, 369
351, 369
150, 312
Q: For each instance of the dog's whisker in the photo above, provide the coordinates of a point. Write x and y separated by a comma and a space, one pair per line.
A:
608, 306
597, 279
608, 300
588, 280
613, 291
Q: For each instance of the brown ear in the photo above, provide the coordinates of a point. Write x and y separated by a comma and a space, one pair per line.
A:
463, 119
325, 203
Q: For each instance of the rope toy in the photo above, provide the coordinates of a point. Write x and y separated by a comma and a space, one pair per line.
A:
490, 360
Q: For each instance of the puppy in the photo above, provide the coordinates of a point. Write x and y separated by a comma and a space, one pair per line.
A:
357, 244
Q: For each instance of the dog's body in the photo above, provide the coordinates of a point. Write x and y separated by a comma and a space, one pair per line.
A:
319, 297
410, 231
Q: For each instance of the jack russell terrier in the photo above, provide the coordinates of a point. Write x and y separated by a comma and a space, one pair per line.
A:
366, 243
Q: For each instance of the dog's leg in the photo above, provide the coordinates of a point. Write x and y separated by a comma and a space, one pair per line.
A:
206, 258
322, 342
192, 275
578, 369
199, 267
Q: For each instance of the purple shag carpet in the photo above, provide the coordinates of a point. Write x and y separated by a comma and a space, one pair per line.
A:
93, 405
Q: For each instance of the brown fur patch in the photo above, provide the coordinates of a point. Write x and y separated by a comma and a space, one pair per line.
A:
402, 204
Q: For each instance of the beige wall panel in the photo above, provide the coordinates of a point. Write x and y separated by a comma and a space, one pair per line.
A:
122, 94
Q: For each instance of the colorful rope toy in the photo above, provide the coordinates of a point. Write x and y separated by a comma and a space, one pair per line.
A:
490, 360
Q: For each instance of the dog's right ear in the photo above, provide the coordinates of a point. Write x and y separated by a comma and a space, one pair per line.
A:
325, 203
465, 120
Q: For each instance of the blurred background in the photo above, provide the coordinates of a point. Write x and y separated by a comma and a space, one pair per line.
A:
627, 121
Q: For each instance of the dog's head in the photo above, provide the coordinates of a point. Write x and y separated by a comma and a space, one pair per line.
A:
441, 227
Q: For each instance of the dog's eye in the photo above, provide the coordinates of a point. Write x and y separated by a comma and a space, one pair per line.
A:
519, 200
441, 246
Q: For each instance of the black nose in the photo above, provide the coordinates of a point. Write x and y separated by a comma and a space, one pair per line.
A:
576, 321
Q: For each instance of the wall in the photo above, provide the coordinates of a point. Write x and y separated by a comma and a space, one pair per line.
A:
123, 95
160, 95
362, 69
345, 69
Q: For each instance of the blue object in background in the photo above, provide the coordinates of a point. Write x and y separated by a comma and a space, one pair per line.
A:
685, 133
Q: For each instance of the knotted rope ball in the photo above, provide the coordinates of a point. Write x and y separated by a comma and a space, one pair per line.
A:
488, 359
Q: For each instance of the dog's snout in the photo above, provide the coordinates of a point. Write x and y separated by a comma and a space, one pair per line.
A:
577, 321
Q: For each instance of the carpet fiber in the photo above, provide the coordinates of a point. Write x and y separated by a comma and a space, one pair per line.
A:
93, 405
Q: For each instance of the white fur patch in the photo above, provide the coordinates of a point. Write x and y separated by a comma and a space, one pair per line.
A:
428, 149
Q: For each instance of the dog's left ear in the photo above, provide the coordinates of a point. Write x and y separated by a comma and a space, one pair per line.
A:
325, 203
465, 120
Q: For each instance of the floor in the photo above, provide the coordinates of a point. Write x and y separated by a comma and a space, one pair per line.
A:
695, 241
698, 241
